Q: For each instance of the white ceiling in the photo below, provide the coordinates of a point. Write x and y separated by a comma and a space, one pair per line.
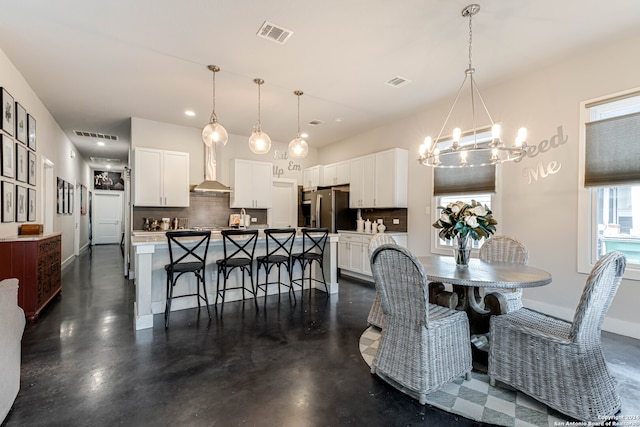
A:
95, 64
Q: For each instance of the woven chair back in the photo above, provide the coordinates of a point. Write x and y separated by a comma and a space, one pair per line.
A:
505, 249
402, 285
599, 291
379, 240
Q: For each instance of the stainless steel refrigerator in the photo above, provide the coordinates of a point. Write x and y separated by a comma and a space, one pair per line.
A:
328, 208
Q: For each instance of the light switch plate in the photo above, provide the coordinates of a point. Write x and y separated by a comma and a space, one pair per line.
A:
396, 221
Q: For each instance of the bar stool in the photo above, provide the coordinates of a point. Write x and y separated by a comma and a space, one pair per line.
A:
239, 247
279, 245
313, 244
183, 260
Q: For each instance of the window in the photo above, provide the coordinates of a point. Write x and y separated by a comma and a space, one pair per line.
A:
610, 181
465, 184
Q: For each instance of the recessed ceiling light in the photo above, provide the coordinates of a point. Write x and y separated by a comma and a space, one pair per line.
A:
108, 166
339, 120
100, 143
189, 113
304, 135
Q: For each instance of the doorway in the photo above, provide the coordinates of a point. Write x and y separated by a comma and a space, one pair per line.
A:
284, 212
107, 217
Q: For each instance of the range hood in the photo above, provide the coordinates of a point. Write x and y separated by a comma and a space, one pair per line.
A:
210, 184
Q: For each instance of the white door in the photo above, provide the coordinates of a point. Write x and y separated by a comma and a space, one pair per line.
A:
107, 217
284, 211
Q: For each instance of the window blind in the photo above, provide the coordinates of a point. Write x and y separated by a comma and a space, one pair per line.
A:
612, 151
464, 180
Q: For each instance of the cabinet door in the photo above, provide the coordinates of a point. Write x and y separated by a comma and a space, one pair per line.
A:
329, 175
368, 180
355, 254
176, 178
251, 184
357, 184
343, 253
262, 186
391, 177
311, 177
148, 178
343, 173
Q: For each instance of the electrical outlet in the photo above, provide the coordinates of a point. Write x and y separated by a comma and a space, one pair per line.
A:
254, 219
396, 221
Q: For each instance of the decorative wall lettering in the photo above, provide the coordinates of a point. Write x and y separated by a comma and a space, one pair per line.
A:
277, 171
294, 166
542, 171
291, 166
545, 145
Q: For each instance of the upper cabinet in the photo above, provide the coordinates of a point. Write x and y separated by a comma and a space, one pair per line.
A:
312, 177
251, 184
380, 180
161, 178
336, 173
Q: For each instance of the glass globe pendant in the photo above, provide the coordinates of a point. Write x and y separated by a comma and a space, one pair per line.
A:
259, 142
298, 147
214, 132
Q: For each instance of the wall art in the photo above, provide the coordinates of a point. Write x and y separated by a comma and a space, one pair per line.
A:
31, 132
31, 211
8, 121
83, 200
65, 198
8, 157
60, 196
21, 203
21, 163
104, 180
71, 199
21, 123
8, 202
32, 168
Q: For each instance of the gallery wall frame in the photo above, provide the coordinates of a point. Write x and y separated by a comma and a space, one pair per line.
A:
60, 196
8, 157
31, 132
21, 123
21, 203
70, 198
7, 123
21, 163
83, 200
31, 178
31, 200
8, 201
65, 201
108, 180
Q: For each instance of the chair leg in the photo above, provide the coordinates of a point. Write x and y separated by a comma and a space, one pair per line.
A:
253, 288
290, 273
167, 307
204, 290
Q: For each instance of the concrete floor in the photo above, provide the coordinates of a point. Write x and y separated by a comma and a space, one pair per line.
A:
287, 365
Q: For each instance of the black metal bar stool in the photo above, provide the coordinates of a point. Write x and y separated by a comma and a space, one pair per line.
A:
279, 245
313, 244
239, 247
186, 259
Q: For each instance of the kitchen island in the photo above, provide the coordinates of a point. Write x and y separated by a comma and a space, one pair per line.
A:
151, 254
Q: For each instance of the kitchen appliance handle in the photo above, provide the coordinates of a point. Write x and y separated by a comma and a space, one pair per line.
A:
318, 202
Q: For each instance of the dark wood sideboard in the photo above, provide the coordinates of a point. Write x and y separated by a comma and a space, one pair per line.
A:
36, 262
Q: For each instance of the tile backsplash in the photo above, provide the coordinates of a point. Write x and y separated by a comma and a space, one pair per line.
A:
387, 216
206, 209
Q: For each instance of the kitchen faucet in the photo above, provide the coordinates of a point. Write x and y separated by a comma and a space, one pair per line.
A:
243, 214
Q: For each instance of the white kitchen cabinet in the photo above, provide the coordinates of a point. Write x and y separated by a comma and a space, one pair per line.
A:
161, 178
336, 173
380, 180
312, 177
353, 252
251, 184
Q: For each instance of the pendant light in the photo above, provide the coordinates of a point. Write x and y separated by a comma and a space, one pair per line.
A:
214, 132
298, 147
259, 142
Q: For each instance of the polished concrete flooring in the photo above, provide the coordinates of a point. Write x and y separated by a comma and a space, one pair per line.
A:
286, 365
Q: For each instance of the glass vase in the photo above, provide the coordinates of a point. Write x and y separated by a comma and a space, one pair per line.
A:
462, 250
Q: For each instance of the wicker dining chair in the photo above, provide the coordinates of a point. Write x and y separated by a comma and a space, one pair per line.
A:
505, 249
422, 346
561, 363
376, 316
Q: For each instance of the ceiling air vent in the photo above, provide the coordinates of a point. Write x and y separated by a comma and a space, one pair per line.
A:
274, 33
398, 81
95, 135
104, 160
315, 122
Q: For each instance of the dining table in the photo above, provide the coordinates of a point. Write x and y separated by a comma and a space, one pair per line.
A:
469, 282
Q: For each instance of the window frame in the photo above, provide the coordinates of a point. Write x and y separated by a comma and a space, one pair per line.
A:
587, 214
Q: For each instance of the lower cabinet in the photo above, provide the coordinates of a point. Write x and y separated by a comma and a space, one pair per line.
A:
36, 262
353, 252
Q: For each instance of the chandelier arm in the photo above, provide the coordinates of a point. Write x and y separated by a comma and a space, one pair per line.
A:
455, 101
475, 85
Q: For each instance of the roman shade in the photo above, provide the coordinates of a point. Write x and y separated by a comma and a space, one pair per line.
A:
612, 151
464, 180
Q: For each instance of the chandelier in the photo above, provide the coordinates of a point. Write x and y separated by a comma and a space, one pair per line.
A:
298, 147
436, 153
259, 142
214, 132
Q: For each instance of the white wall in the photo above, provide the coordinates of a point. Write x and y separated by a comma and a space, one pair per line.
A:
53, 144
152, 134
539, 211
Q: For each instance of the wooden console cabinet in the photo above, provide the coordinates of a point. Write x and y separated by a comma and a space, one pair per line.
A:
36, 262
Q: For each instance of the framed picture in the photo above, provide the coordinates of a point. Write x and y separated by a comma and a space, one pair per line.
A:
8, 121
65, 197
31, 200
31, 168
21, 123
8, 201
70, 199
8, 157
31, 132
21, 163
21, 203
60, 196
83, 200
105, 180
